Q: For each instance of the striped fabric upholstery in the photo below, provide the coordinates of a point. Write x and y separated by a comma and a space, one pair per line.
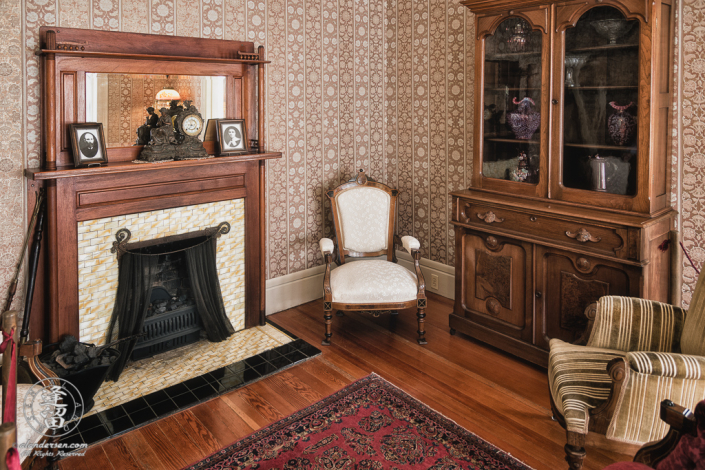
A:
579, 380
632, 324
667, 364
693, 338
653, 377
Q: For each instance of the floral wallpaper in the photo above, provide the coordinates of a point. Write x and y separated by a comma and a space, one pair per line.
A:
384, 85
690, 117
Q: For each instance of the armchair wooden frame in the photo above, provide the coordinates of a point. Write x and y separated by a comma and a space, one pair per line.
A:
339, 253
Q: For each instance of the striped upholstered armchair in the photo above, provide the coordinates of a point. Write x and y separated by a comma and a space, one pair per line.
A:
639, 353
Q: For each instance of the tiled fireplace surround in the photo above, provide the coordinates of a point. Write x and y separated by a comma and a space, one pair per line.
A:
97, 288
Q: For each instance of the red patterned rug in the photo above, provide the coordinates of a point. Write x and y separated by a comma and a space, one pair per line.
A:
368, 425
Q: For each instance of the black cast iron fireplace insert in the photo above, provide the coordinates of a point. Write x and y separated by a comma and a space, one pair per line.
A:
135, 300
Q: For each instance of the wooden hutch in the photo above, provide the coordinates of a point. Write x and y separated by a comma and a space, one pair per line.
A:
570, 198
123, 187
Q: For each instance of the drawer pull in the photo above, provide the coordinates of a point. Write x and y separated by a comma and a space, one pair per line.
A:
489, 217
533, 218
583, 236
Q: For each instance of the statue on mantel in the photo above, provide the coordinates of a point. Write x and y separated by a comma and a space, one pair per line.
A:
175, 136
143, 132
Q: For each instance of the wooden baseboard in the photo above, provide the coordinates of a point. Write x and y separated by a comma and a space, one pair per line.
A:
304, 286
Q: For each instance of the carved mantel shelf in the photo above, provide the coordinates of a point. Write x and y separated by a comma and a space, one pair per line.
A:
37, 174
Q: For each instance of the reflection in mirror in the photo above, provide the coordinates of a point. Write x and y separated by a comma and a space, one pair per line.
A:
120, 101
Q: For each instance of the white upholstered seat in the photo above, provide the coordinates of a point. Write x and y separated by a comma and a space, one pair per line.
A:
373, 281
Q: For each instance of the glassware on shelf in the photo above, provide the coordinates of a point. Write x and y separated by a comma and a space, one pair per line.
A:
621, 125
519, 40
521, 172
609, 174
573, 64
524, 121
612, 29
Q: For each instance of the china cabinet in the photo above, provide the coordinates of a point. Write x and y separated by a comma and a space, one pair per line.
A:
570, 197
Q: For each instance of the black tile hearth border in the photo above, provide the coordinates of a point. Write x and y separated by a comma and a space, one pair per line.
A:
160, 404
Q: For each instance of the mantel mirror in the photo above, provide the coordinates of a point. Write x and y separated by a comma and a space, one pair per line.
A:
120, 101
112, 78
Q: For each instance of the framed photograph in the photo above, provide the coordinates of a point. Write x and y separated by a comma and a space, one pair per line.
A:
88, 144
232, 137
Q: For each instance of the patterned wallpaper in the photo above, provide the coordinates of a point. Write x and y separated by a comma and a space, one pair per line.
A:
381, 85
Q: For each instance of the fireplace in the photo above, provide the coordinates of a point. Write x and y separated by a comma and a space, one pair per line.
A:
186, 262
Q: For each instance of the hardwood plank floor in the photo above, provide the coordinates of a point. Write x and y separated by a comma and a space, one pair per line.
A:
500, 398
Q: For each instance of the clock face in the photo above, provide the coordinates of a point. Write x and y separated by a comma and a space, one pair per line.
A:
192, 125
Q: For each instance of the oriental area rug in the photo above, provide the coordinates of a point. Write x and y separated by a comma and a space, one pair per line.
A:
368, 425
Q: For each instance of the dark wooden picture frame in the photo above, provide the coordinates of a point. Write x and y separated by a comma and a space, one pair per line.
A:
224, 141
85, 152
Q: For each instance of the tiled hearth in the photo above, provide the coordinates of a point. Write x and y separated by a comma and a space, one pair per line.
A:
186, 392
170, 368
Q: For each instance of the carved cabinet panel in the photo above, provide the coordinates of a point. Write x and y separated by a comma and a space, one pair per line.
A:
567, 282
495, 279
527, 270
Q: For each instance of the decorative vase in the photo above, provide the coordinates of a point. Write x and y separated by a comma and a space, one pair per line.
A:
524, 121
518, 41
621, 125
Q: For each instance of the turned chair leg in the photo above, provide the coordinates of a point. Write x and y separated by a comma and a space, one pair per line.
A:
575, 450
421, 315
328, 316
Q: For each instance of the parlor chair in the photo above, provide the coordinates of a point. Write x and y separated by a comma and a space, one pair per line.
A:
364, 219
639, 353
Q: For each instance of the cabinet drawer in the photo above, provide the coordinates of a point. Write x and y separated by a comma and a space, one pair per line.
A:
588, 236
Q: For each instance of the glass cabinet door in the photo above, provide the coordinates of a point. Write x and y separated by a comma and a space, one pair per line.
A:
601, 84
511, 138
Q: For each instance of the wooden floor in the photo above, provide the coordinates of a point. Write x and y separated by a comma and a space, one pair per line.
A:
498, 397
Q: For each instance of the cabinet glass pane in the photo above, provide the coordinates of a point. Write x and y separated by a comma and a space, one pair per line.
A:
512, 100
600, 102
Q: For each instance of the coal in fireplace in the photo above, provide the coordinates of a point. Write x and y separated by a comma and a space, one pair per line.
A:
168, 294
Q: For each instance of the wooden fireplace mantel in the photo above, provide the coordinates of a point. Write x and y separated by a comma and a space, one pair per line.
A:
122, 187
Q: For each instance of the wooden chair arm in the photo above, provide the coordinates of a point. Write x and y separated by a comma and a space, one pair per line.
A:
678, 417
327, 293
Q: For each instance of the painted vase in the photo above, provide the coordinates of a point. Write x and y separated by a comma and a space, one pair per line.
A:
524, 121
621, 125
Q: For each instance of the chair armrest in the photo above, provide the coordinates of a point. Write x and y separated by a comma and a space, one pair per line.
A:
633, 324
327, 246
669, 365
410, 243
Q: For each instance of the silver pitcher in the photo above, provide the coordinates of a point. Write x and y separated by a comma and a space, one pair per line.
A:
600, 173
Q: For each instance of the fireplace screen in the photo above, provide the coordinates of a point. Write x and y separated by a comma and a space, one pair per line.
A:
136, 279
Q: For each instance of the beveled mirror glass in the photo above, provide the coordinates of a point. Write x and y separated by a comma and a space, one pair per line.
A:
120, 101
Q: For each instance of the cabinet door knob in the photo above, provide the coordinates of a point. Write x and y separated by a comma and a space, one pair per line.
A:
538, 294
554, 101
533, 218
489, 217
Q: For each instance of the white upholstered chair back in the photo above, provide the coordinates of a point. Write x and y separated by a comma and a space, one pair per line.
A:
363, 214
